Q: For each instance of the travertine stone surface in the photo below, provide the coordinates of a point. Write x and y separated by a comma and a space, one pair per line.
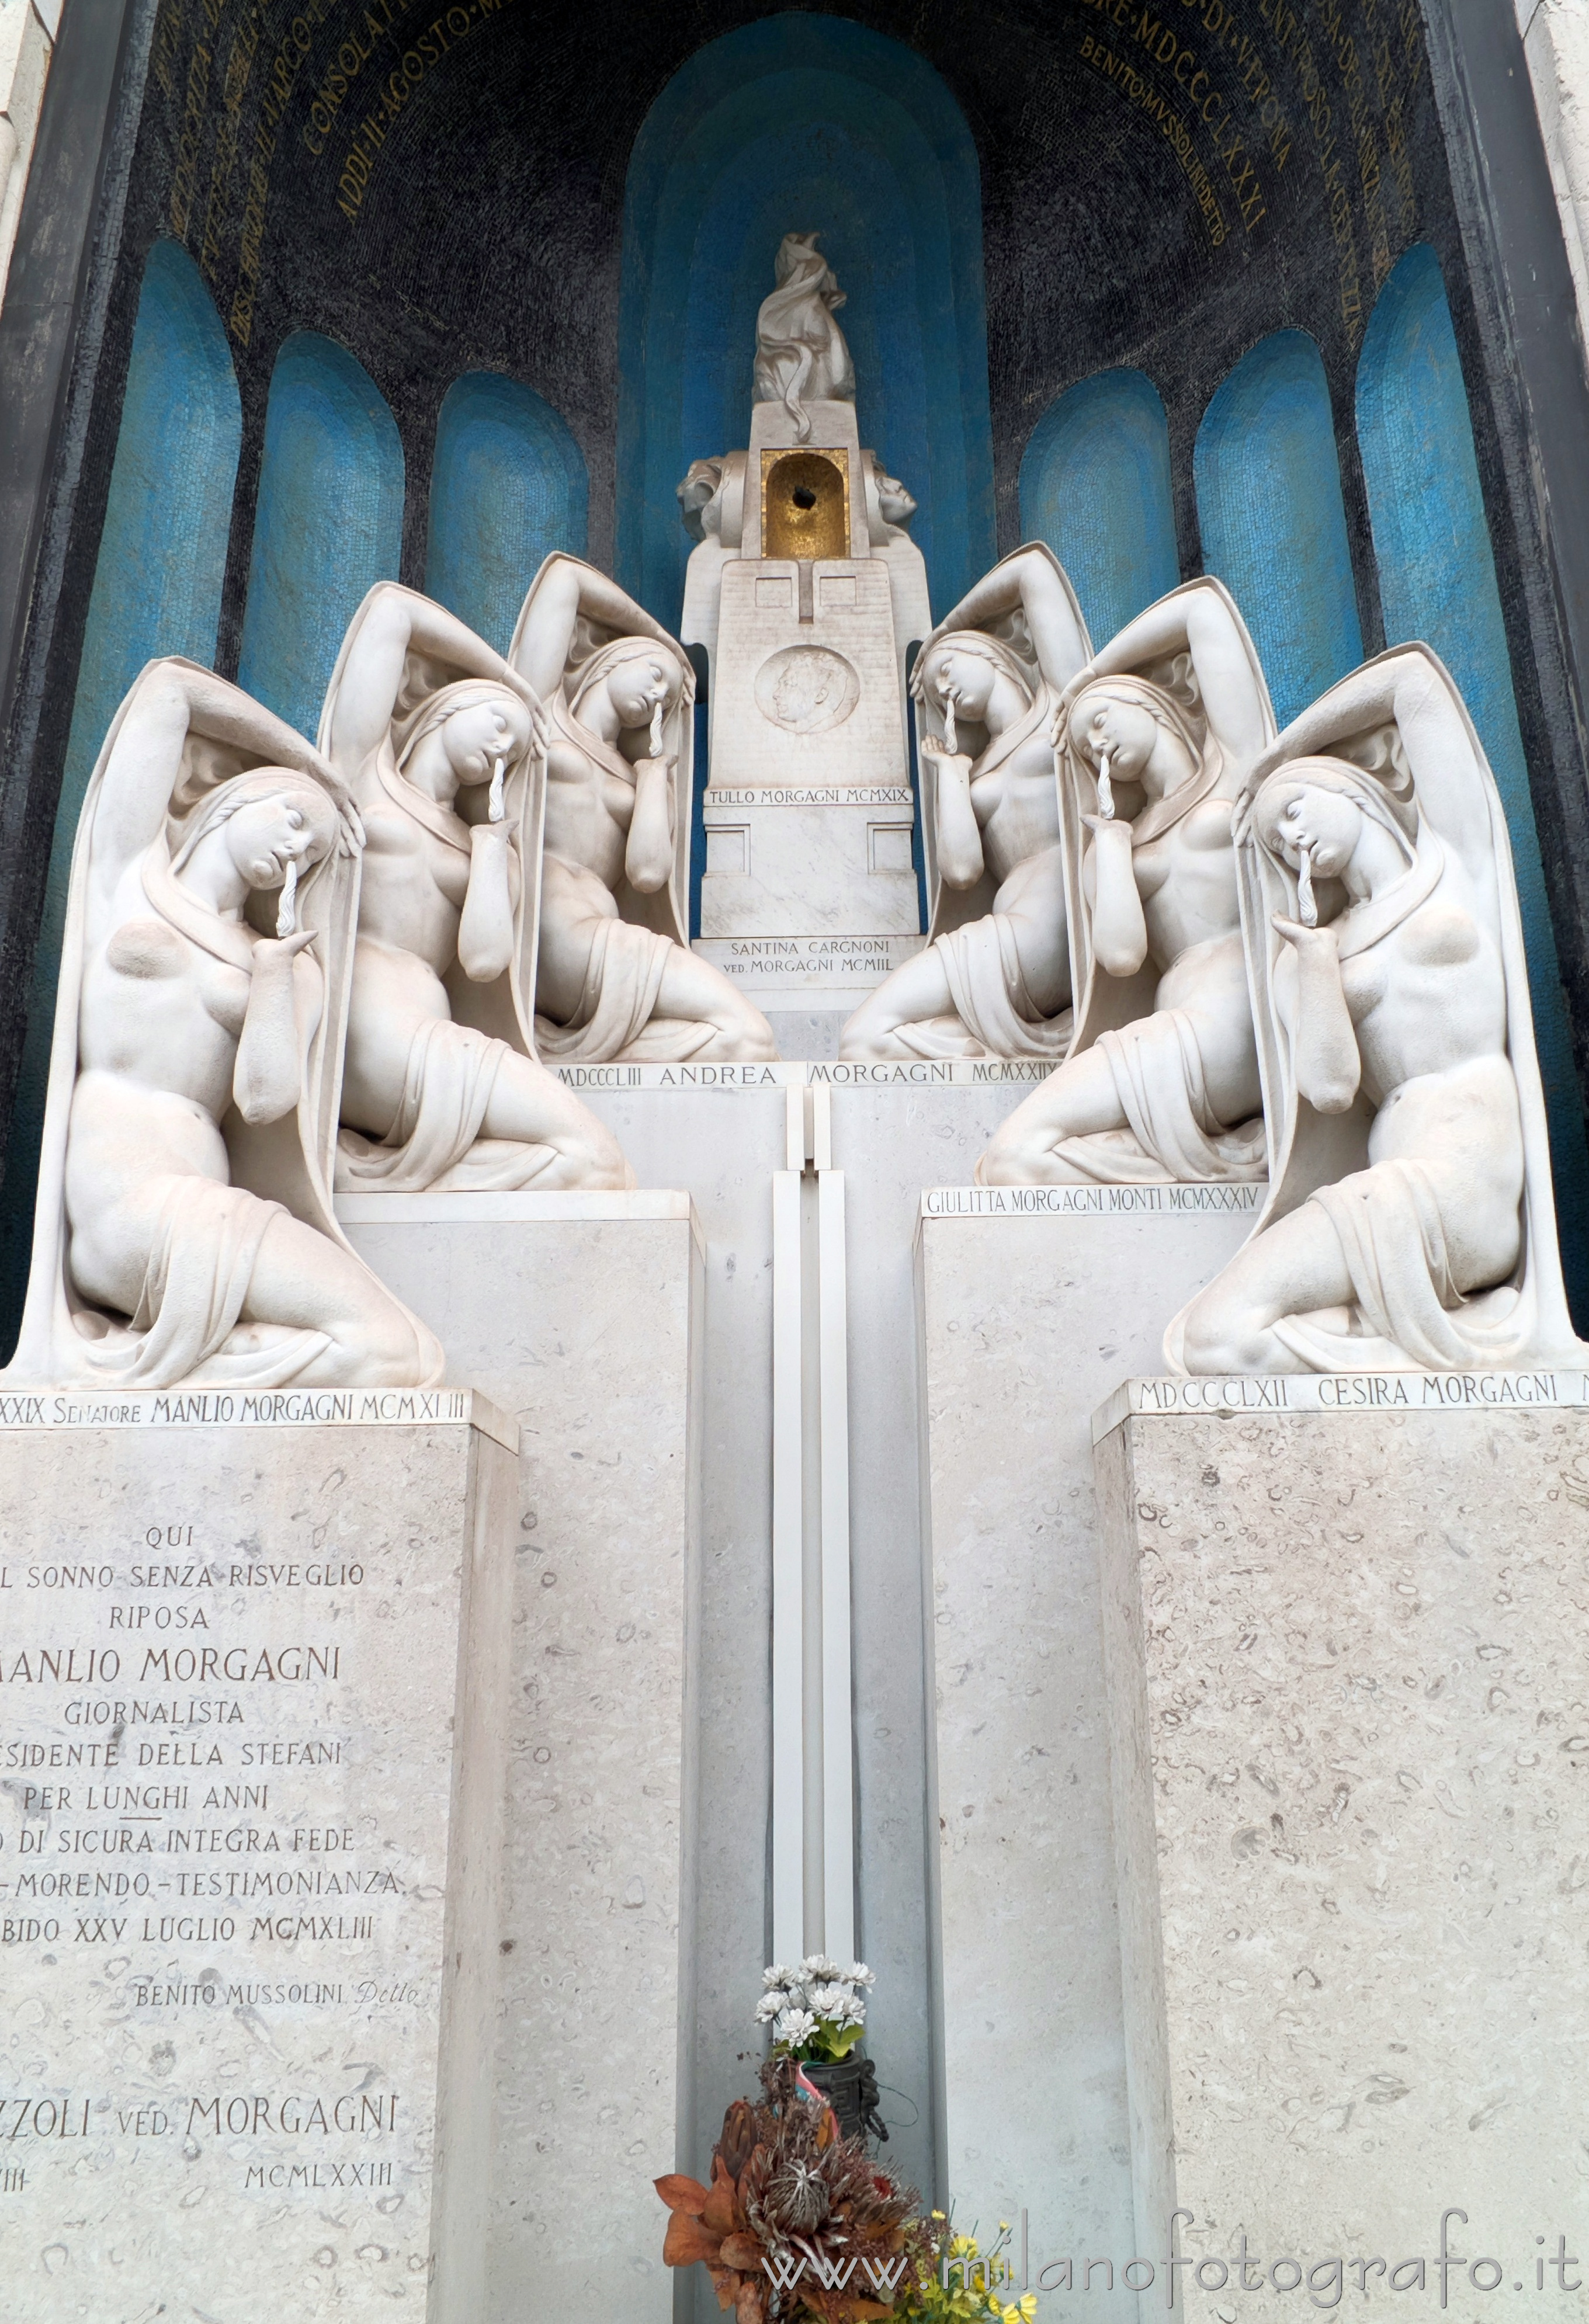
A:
1348, 1670
578, 1313
253, 1674
1034, 1300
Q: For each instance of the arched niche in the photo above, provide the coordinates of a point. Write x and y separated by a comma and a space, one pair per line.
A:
157, 589
1095, 485
1438, 582
327, 522
1273, 523
508, 485
804, 123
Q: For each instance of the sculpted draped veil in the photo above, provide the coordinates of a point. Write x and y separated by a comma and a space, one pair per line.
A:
1009, 643
595, 647
155, 780
801, 354
1170, 688
1426, 757
504, 1008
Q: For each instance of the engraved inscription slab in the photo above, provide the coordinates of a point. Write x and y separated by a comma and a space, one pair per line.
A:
250, 1686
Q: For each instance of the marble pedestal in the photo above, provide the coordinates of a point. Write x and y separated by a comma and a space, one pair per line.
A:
580, 1314
807, 862
1033, 1300
1348, 1669
809, 987
254, 1677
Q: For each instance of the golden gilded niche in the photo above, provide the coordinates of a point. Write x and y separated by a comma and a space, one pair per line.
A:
804, 504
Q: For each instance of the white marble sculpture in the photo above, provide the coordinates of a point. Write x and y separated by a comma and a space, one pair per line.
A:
442, 1089
1411, 1222
184, 1230
615, 977
801, 354
995, 980
1161, 1081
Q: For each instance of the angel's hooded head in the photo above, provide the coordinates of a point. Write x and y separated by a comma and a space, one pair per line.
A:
482, 723
643, 681
1317, 805
272, 816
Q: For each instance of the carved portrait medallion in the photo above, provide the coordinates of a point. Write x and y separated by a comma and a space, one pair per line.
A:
806, 689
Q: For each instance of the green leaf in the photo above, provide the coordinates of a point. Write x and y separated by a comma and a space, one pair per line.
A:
837, 2045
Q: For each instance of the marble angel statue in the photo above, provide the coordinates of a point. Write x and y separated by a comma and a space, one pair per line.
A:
995, 981
1161, 1081
801, 354
1409, 1222
184, 1230
437, 740
615, 974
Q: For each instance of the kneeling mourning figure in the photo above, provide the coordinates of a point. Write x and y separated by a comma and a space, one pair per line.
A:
288, 969
1410, 1221
284, 970
184, 1229
443, 1089
1159, 1080
1326, 925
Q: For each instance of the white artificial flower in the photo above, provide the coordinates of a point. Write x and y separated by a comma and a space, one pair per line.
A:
858, 1973
794, 2027
831, 2000
768, 2007
854, 2012
817, 1966
776, 1976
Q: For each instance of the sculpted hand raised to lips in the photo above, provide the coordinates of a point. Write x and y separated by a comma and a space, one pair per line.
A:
614, 975
1394, 994
427, 1101
996, 981
1161, 1081
182, 1032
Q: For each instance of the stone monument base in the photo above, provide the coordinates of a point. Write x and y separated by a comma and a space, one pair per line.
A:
580, 1314
1032, 1298
802, 863
1348, 1668
254, 1665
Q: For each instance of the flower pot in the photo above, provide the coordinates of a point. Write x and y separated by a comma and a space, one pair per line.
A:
850, 2086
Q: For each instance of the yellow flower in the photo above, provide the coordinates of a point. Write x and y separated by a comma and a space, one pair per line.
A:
1020, 2311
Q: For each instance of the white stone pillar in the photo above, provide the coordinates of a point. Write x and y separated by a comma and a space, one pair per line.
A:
1555, 41
580, 1314
1033, 1300
27, 41
1348, 1667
